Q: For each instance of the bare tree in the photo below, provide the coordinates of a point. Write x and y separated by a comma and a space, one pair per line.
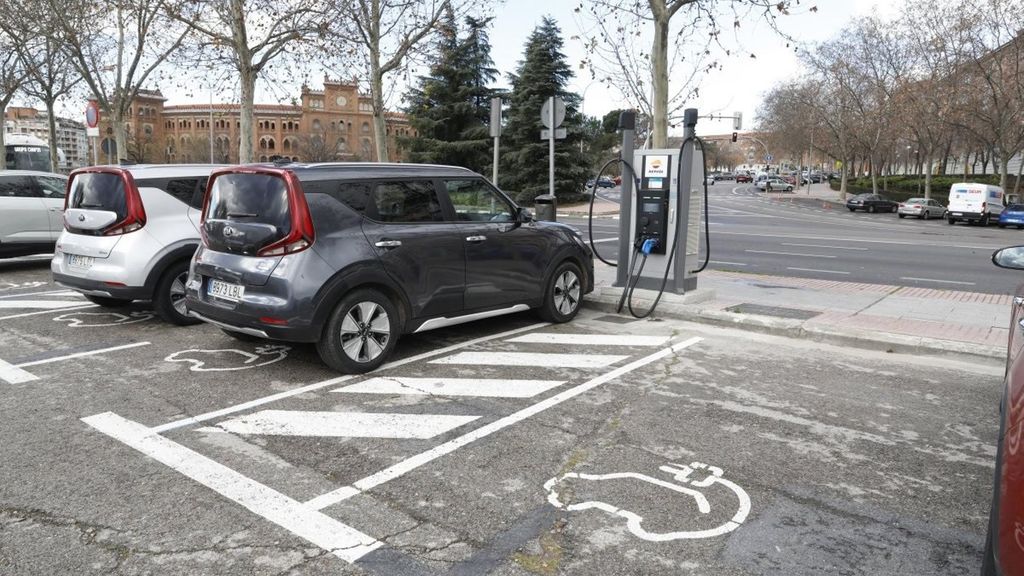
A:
249, 35
47, 64
382, 36
116, 46
682, 35
12, 76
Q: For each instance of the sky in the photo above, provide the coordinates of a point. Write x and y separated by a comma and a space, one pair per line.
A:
739, 85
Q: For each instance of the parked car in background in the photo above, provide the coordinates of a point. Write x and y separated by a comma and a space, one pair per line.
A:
31, 208
130, 233
710, 180
871, 203
1004, 553
602, 182
1012, 215
972, 202
742, 178
351, 256
774, 184
923, 208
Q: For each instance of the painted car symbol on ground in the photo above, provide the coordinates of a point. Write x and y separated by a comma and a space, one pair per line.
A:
230, 359
684, 487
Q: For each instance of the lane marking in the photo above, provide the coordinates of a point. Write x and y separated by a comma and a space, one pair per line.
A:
817, 270
340, 424
15, 375
821, 246
726, 263
82, 354
791, 254
541, 360
590, 339
481, 387
340, 539
47, 312
191, 420
937, 280
410, 464
834, 239
616, 239
44, 304
61, 292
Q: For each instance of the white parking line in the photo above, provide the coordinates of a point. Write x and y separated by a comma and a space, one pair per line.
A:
540, 360
61, 292
937, 280
340, 424
410, 464
606, 240
790, 254
331, 382
480, 387
81, 354
45, 304
15, 375
337, 538
816, 270
727, 263
47, 312
590, 339
822, 246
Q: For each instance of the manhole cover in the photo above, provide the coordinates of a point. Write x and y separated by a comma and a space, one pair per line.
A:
778, 311
615, 319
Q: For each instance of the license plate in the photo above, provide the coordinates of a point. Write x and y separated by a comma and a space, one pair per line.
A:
80, 262
218, 289
958, 213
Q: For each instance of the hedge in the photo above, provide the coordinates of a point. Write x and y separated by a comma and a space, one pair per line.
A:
900, 188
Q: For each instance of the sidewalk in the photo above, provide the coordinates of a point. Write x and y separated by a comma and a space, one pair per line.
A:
875, 316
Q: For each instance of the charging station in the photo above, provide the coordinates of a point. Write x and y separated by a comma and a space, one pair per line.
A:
660, 223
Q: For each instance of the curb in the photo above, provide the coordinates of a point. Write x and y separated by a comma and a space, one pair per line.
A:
798, 329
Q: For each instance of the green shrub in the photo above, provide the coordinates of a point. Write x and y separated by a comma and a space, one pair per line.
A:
900, 188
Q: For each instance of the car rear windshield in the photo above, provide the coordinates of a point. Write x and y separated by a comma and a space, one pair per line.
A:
250, 198
916, 201
99, 191
1015, 207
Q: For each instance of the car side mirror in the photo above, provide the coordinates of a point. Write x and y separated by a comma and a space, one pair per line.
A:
523, 216
1012, 258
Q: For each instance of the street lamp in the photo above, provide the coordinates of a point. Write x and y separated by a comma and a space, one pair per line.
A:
583, 103
906, 162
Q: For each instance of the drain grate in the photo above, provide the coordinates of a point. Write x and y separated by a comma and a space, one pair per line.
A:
778, 311
615, 319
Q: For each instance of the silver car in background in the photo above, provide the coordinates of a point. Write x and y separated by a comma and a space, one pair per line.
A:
923, 208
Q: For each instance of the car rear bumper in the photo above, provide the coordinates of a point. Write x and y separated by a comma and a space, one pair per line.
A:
970, 216
245, 319
99, 288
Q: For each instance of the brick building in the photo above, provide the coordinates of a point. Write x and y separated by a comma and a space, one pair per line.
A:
323, 125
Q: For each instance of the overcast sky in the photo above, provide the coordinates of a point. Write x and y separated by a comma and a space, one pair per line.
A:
739, 86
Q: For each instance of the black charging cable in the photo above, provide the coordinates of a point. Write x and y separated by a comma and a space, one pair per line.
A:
593, 195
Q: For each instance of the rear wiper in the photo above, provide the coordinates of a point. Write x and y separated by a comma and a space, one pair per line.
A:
241, 215
90, 205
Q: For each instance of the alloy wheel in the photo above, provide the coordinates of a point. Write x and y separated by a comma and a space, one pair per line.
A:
177, 294
365, 332
567, 292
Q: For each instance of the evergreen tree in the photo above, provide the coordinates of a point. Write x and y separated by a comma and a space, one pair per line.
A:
450, 109
542, 73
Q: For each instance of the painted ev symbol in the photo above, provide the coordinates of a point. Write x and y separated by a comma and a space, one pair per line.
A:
230, 359
684, 488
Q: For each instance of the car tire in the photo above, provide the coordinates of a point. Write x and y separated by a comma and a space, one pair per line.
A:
851, 209
564, 293
950, 221
1001, 225
361, 332
922, 216
169, 296
241, 336
894, 209
871, 209
902, 215
1019, 227
107, 302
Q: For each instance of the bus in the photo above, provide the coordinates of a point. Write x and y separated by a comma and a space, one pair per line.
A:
25, 152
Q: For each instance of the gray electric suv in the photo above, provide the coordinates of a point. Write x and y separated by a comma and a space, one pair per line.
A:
351, 256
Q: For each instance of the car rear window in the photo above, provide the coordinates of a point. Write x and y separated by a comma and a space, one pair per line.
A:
253, 198
1016, 207
916, 201
188, 190
99, 191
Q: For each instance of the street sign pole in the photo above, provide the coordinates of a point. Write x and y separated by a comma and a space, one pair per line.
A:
496, 134
551, 147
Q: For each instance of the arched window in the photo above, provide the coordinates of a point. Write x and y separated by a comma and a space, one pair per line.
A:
317, 126
263, 158
263, 143
366, 148
270, 143
365, 128
286, 145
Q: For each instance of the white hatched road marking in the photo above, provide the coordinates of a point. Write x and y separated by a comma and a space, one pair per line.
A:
483, 387
817, 270
410, 464
15, 375
42, 304
822, 246
590, 339
790, 254
61, 292
337, 538
78, 306
539, 360
936, 280
81, 354
340, 424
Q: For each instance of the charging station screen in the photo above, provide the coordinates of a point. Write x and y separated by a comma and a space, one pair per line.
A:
651, 206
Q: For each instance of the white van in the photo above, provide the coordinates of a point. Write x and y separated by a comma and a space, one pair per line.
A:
972, 202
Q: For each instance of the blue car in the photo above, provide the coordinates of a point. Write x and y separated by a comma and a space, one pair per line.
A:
1013, 215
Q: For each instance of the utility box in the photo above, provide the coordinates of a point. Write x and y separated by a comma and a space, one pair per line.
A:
546, 207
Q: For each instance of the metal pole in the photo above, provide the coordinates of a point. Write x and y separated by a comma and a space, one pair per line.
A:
494, 173
211, 127
551, 148
95, 151
627, 123
685, 190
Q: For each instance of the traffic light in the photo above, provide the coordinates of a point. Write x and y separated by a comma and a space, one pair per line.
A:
734, 136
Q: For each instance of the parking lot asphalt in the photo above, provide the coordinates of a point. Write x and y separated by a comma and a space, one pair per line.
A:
510, 447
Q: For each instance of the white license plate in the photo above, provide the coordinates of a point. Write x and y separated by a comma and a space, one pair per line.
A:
80, 262
958, 213
218, 289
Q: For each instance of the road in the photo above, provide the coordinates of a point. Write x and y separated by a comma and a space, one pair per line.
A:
605, 446
799, 236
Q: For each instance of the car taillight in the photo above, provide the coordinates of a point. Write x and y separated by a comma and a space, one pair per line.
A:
901, 204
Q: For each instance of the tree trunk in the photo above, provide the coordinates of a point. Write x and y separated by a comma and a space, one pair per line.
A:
380, 132
120, 137
659, 78
1016, 184
874, 175
247, 81
1004, 167
3, 113
928, 180
52, 126
843, 179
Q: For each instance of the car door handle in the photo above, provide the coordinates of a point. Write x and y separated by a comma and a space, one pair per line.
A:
388, 244
56, 209
475, 238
